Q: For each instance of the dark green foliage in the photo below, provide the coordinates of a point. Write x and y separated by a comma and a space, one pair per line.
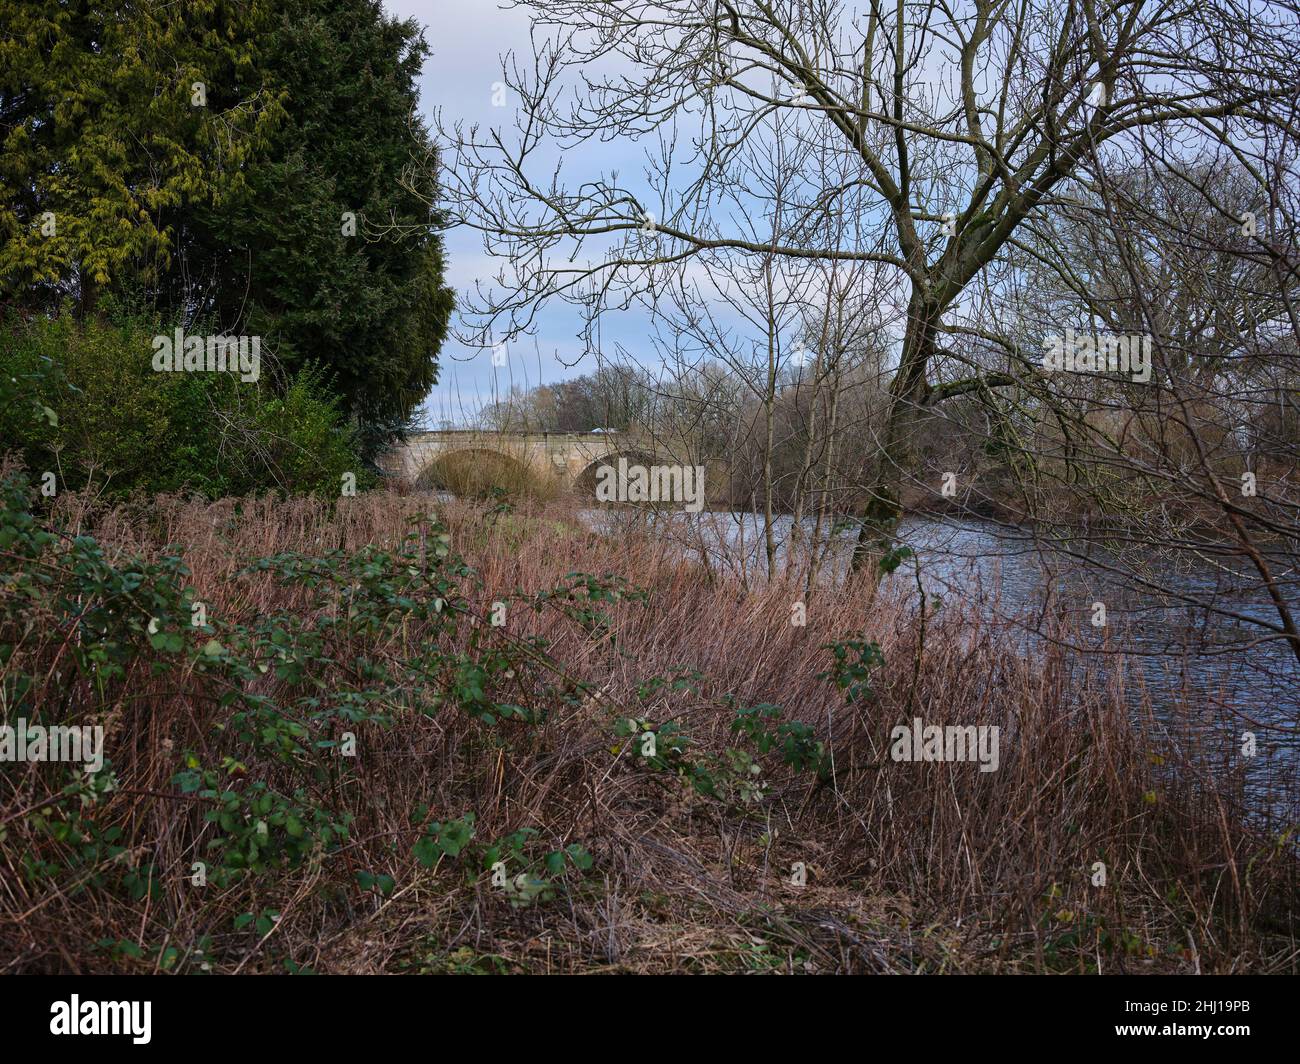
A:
100, 136
855, 660
114, 184
276, 786
82, 400
371, 307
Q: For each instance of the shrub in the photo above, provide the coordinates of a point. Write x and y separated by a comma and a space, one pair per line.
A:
82, 400
111, 411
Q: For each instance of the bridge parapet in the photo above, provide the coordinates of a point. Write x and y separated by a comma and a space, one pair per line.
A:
548, 453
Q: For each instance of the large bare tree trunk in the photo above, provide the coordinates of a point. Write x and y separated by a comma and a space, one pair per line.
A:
883, 508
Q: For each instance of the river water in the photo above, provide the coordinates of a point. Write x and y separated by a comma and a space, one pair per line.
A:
1208, 676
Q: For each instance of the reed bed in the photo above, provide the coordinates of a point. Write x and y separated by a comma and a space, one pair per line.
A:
908, 867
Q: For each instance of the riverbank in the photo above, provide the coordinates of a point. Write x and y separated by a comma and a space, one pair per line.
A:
502, 807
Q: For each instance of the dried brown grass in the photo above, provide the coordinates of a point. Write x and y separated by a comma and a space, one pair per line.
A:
480, 473
912, 867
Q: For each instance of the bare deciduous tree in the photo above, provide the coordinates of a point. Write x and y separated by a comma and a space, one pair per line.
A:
947, 125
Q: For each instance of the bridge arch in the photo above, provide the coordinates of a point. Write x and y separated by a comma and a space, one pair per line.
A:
472, 471
472, 460
584, 484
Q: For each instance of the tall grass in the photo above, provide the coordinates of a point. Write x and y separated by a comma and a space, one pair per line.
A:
911, 867
483, 474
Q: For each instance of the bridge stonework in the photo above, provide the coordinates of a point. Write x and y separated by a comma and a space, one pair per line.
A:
562, 454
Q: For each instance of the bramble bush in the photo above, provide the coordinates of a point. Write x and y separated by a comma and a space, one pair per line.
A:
271, 779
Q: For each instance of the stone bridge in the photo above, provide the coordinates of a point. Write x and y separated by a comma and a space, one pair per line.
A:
567, 455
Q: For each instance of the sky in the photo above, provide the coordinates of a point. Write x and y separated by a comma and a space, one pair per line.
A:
467, 39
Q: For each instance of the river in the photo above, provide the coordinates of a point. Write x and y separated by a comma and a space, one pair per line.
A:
1206, 677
